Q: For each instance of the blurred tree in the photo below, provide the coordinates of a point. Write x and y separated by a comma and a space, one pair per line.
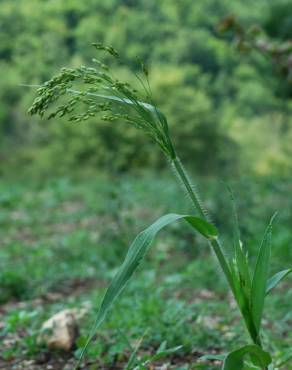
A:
278, 23
200, 82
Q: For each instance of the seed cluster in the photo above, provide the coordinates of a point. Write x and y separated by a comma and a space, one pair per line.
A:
88, 91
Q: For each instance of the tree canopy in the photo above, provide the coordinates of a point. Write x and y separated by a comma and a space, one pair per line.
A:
226, 110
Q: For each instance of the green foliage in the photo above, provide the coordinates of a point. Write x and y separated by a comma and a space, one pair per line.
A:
135, 255
279, 21
14, 285
260, 278
234, 360
80, 228
274, 280
198, 80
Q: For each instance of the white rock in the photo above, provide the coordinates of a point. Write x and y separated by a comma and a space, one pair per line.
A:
61, 330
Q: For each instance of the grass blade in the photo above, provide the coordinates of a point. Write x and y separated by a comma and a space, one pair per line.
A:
135, 254
147, 106
161, 353
275, 279
242, 302
240, 272
212, 357
260, 277
133, 358
154, 110
240, 256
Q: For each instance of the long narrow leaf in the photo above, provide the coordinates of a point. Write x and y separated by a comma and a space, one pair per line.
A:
212, 357
260, 277
147, 106
241, 274
133, 358
275, 279
240, 256
284, 359
161, 352
133, 258
243, 303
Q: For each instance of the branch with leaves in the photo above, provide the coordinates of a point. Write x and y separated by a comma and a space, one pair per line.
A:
254, 38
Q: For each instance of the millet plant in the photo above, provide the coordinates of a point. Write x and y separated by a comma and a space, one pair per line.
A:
84, 92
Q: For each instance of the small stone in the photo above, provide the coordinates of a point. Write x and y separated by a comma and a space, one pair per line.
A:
61, 330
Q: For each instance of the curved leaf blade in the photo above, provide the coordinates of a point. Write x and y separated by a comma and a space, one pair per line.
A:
132, 260
260, 277
212, 357
234, 360
151, 108
240, 257
136, 252
275, 279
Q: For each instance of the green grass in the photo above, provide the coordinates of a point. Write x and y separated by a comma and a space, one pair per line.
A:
57, 236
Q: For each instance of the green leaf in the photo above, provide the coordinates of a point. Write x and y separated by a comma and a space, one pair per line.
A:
135, 254
234, 360
203, 227
161, 352
126, 101
211, 357
243, 302
260, 277
133, 358
275, 279
240, 256
284, 359
243, 270
240, 273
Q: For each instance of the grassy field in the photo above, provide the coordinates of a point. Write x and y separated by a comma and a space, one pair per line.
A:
62, 240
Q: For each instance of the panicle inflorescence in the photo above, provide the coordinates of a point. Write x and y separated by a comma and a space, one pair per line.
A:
95, 90
109, 49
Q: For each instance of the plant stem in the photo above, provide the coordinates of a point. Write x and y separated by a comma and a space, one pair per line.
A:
215, 242
184, 178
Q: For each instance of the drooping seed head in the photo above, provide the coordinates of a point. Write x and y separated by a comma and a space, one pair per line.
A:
96, 90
